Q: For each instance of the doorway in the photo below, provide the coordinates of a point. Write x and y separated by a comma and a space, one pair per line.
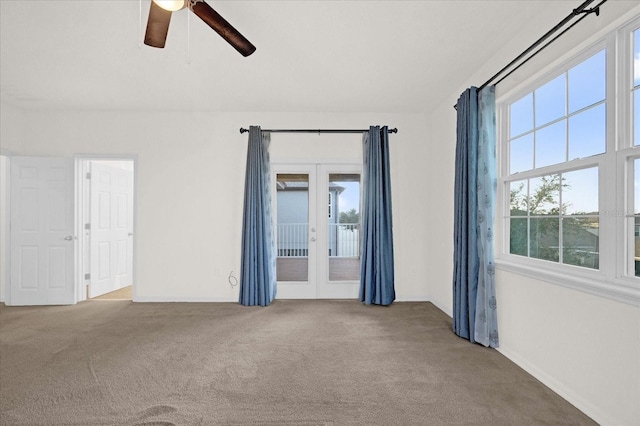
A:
105, 227
317, 227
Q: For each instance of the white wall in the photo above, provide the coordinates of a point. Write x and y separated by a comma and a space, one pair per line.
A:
190, 181
586, 348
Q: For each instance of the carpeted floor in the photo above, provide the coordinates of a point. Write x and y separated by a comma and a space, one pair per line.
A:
292, 363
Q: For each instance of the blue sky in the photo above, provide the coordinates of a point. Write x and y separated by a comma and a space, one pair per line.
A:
350, 197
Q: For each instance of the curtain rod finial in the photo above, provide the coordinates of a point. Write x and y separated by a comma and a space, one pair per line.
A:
243, 130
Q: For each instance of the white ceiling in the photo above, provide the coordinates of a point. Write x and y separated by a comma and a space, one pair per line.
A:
333, 56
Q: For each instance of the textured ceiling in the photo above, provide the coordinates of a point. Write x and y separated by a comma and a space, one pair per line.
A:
333, 56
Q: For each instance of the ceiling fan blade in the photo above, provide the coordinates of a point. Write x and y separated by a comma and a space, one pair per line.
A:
157, 26
222, 27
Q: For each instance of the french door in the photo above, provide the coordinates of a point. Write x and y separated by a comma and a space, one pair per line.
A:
317, 227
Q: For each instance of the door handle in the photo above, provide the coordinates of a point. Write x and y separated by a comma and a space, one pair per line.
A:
313, 238
69, 238
130, 234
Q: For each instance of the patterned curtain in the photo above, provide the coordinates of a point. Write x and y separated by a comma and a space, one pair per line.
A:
376, 263
258, 268
474, 300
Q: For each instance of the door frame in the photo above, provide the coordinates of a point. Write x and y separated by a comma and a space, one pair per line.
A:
5, 250
82, 215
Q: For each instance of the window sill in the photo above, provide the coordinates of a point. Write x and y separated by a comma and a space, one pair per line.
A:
621, 290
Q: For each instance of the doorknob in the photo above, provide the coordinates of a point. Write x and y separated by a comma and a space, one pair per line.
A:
68, 237
313, 238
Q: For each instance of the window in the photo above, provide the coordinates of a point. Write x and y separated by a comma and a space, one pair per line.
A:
570, 169
555, 216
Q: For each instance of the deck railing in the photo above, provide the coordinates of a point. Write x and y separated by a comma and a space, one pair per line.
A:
293, 240
343, 240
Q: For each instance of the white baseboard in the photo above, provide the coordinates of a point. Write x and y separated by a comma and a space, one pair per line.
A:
154, 299
560, 388
413, 299
444, 309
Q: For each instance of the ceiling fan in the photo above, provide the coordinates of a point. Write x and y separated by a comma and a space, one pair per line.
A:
160, 16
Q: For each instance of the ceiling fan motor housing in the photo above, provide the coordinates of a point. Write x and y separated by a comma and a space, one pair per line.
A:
160, 17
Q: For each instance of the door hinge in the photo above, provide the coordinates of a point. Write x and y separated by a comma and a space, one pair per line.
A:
87, 226
88, 175
87, 276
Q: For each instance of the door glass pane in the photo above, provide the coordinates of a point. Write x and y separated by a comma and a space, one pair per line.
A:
292, 227
343, 224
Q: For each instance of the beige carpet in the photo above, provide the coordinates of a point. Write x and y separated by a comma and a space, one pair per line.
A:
292, 363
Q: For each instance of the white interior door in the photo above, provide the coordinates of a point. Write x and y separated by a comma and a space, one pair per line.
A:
42, 223
317, 255
111, 229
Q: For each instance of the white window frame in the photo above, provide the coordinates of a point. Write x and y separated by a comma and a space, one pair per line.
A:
614, 279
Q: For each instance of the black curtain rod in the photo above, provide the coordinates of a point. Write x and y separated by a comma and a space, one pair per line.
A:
595, 10
580, 10
243, 130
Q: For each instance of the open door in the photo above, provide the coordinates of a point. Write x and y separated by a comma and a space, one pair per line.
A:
42, 224
111, 228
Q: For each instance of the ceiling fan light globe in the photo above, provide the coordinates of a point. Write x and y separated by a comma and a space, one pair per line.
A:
171, 5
